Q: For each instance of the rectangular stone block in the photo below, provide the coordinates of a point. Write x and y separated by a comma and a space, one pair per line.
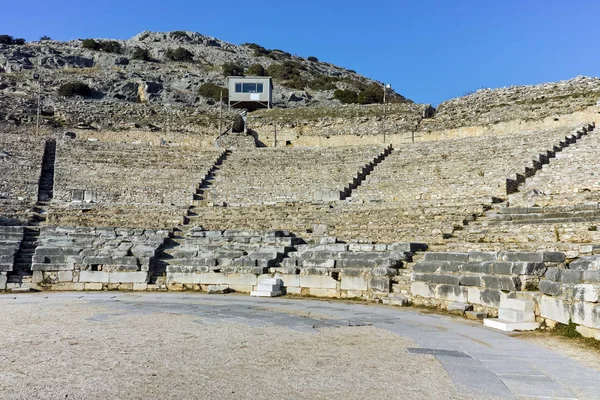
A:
587, 314
518, 305
381, 284
289, 280
444, 279
451, 293
520, 256
354, 283
183, 278
425, 266
586, 292
479, 256
421, 289
318, 281
470, 280
553, 274
571, 276
485, 297
94, 276
502, 282
65, 276
484, 268
93, 286
502, 268
550, 288
213, 278
555, 309
322, 263
50, 267
242, 279
320, 292
461, 257
128, 277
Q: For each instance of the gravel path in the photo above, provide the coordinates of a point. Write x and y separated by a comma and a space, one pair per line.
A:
58, 347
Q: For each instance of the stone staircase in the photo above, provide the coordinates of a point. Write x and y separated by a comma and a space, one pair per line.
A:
366, 171
21, 277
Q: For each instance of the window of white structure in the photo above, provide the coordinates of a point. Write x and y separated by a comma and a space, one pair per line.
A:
249, 87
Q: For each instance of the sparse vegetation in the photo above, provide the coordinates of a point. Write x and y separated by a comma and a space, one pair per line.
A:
74, 89
141, 54
323, 82
179, 54
567, 330
232, 69
593, 228
180, 35
44, 38
313, 59
256, 70
7, 39
371, 94
346, 96
108, 46
213, 91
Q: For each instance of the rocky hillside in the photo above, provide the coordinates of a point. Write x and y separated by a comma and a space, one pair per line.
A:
178, 68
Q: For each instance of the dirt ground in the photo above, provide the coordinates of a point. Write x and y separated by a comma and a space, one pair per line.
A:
55, 348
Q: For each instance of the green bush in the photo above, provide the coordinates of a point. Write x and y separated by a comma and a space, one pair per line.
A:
74, 89
288, 70
7, 39
179, 54
346, 96
323, 82
371, 94
212, 91
313, 59
141, 54
44, 38
256, 70
232, 69
90, 44
297, 82
111, 46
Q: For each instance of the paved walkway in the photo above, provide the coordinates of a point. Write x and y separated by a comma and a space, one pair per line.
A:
477, 359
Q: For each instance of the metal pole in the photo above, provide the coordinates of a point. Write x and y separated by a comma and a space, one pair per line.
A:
220, 112
37, 122
383, 119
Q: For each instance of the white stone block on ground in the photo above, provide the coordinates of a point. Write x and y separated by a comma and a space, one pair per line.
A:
257, 293
508, 326
515, 315
518, 305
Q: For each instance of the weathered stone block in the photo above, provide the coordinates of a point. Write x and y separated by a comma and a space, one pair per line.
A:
571, 276
353, 283
317, 281
484, 268
587, 314
502, 282
550, 288
451, 293
426, 267
421, 289
94, 276
128, 277
502, 268
470, 280
479, 256
381, 284
242, 279
485, 297
93, 286
555, 309
183, 278
213, 278
444, 279
460, 257
65, 276
586, 292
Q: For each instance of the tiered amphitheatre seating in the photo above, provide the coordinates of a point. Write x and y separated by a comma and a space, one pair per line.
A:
573, 177
267, 176
125, 184
556, 209
427, 191
20, 165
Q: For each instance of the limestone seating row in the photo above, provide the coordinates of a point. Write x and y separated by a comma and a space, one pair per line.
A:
451, 168
95, 255
572, 177
482, 279
126, 173
546, 215
10, 242
512, 184
20, 167
278, 175
573, 294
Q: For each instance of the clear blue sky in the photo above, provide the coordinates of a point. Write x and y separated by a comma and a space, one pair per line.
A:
428, 50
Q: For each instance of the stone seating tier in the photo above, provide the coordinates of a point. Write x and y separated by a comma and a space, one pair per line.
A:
475, 166
289, 175
20, 167
572, 177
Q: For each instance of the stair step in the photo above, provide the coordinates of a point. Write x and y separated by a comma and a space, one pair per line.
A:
508, 326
